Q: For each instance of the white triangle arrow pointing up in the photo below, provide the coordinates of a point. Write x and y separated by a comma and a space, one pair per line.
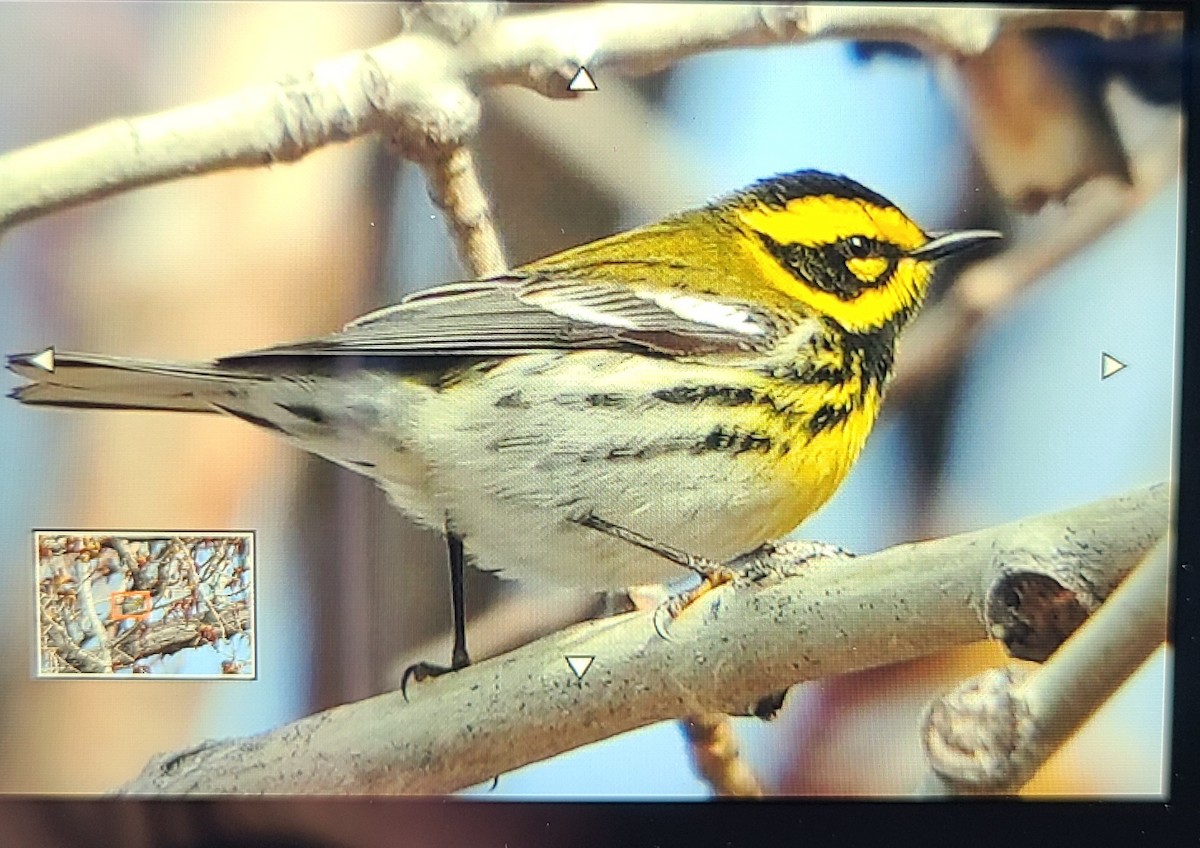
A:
44, 360
580, 665
1109, 365
582, 81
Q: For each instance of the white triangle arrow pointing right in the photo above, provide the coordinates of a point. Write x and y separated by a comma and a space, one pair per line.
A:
1109, 365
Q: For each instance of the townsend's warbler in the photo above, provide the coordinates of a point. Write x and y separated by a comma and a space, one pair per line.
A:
706, 382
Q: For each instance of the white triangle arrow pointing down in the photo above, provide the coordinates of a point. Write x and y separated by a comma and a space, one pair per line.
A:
580, 665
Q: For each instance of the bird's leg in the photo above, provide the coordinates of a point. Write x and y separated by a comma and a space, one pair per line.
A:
712, 573
781, 559
706, 568
458, 561
459, 658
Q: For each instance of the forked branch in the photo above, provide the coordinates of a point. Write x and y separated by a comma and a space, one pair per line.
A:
421, 88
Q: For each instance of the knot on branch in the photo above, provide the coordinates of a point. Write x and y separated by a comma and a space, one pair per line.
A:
1038, 601
439, 120
1032, 614
419, 96
976, 737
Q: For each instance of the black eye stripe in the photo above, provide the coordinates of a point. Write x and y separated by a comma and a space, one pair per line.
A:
824, 267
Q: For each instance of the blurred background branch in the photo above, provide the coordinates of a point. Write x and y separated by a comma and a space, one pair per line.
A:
423, 90
714, 748
1095, 202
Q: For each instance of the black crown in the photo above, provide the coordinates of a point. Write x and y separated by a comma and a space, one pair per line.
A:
776, 191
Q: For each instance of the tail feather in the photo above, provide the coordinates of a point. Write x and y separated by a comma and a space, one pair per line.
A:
114, 382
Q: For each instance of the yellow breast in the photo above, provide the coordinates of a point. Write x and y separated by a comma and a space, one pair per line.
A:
817, 449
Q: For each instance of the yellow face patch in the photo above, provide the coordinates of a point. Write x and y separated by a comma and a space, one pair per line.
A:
824, 219
868, 270
819, 221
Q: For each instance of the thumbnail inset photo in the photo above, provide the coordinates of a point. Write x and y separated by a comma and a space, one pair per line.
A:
155, 605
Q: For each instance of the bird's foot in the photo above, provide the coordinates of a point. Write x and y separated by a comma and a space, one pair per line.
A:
712, 574
418, 672
767, 563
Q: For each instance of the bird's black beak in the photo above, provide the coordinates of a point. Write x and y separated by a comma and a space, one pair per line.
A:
941, 245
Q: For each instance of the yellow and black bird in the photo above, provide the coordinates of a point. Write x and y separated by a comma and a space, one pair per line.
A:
706, 382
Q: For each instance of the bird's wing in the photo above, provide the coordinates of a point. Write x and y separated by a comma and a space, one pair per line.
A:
520, 313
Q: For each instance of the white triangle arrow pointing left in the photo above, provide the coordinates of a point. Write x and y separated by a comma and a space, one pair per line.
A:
44, 360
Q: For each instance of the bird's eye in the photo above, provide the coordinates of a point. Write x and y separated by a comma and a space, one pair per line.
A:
858, 247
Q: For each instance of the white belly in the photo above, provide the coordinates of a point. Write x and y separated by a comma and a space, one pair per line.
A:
515, 475
513, 459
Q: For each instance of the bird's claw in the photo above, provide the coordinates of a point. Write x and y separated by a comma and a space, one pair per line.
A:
778, 559
713, 574
418, 672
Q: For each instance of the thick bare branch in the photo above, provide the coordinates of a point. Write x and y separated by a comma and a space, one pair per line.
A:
70, 652
724, 654
87, 603
542, 51
174, 635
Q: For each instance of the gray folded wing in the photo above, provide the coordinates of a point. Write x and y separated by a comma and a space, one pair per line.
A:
513, 315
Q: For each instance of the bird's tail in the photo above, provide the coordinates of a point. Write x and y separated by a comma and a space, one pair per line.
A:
114, 382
